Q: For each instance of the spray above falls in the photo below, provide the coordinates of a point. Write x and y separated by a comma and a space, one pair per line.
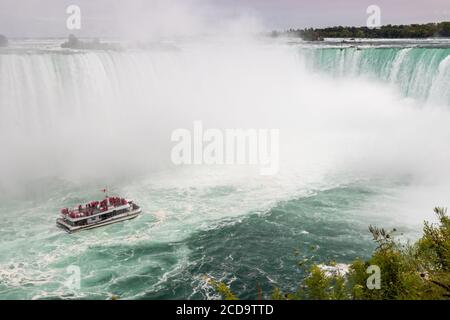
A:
69, 110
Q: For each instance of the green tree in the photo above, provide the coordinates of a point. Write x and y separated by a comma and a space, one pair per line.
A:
420, 271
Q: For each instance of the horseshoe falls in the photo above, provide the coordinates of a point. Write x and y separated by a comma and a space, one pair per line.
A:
421, 73
363, 140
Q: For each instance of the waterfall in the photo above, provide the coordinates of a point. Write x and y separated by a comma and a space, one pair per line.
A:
420, 73
81, 112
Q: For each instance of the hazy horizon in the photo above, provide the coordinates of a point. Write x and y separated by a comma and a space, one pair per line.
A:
155, 18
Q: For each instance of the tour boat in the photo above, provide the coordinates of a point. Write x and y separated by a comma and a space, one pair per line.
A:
97, 213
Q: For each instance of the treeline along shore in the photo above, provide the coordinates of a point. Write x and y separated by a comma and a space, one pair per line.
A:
420, 31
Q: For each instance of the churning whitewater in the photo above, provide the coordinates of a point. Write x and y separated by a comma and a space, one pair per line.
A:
371, 148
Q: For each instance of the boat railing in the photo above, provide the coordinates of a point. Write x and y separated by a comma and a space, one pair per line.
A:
96, 212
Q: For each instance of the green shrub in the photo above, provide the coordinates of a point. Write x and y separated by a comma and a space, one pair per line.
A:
408, 272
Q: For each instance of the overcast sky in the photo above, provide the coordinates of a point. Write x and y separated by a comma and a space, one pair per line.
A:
139, 18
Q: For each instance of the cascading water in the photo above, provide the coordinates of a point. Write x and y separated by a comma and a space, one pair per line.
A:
353, 151
422, 73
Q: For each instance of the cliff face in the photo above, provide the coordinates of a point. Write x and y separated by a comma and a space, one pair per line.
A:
3, 41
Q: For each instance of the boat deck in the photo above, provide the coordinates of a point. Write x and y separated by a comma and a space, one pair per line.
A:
95, 220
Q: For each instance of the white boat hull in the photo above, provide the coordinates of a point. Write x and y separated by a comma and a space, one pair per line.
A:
118, 218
